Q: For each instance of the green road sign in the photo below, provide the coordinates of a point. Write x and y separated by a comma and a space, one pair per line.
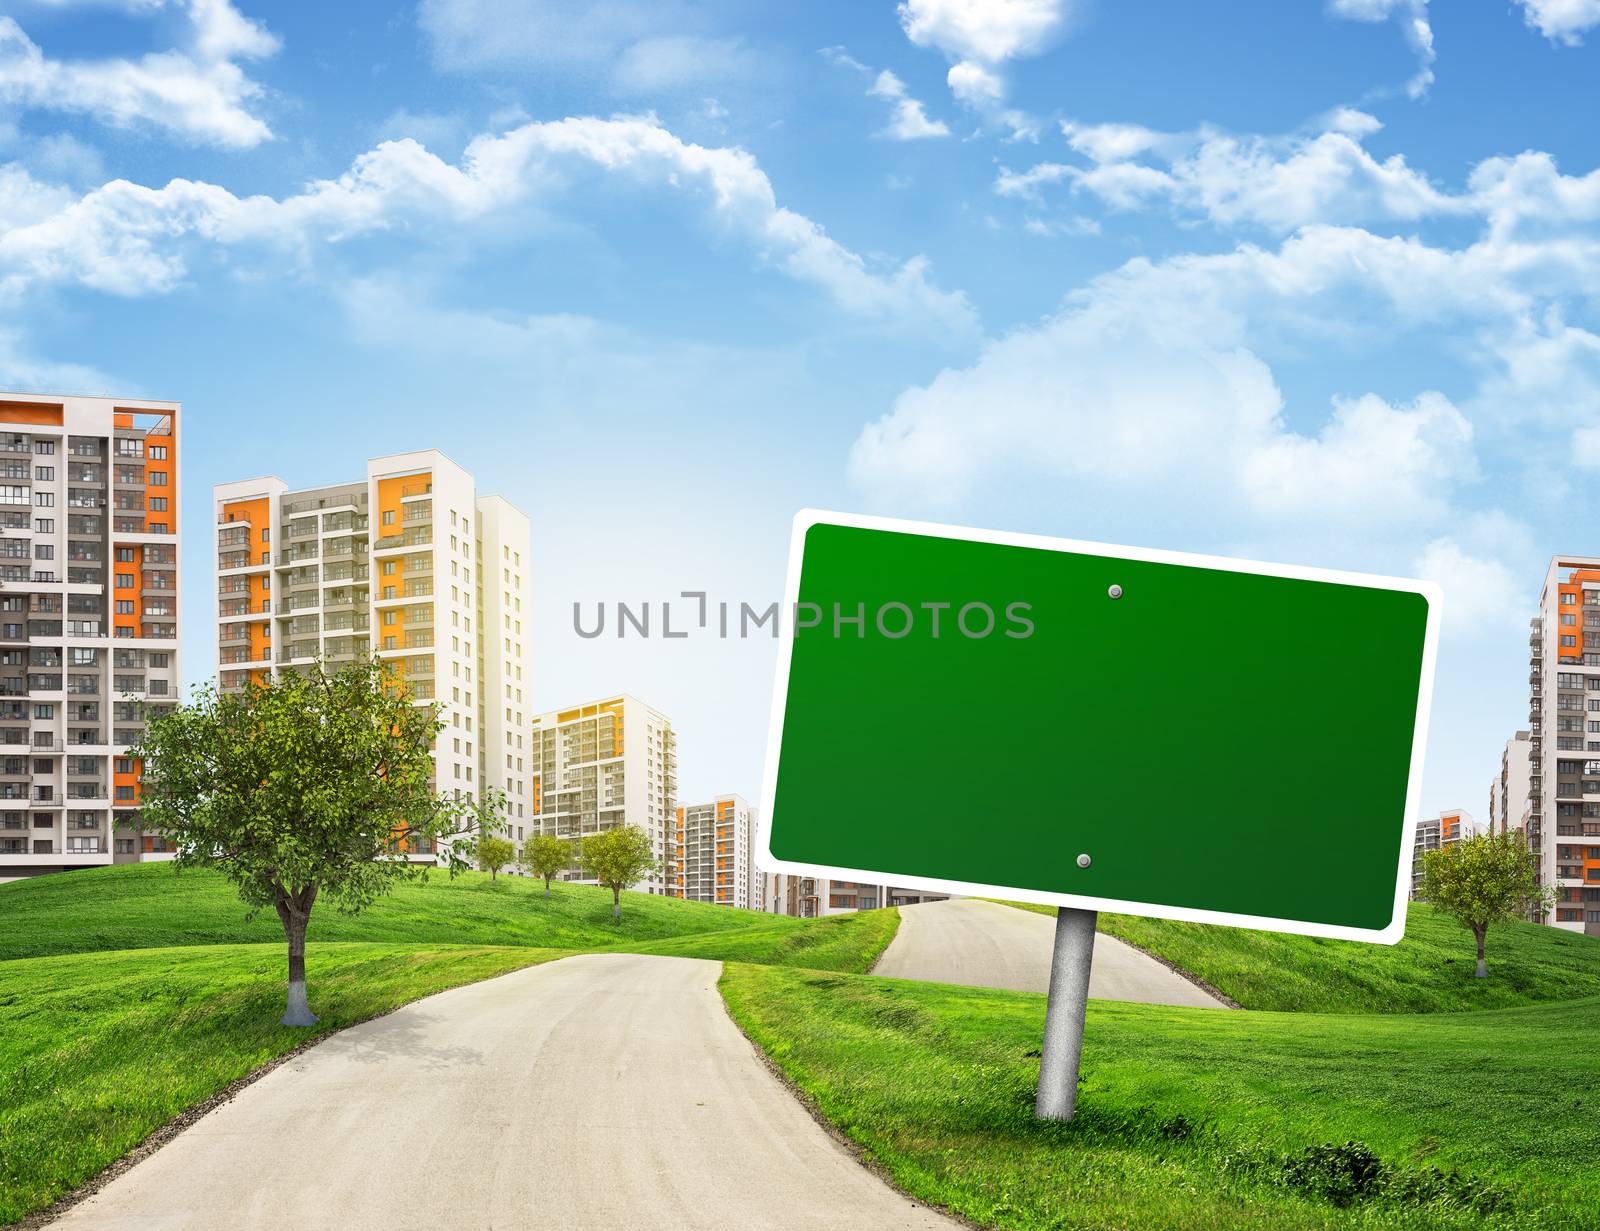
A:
1105, 728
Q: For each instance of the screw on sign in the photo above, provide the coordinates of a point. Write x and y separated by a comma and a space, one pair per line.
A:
1064, 691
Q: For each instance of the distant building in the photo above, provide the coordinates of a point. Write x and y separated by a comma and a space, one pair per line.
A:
1509, 803
603, 764
714, 854
1436, 832
808, 897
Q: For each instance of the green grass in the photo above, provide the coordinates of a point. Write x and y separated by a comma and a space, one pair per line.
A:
145, 906
1192, 1119
99, 1050
1429, 971
133, 993
849, 943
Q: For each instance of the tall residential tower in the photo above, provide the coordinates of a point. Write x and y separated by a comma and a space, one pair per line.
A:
713, 854
409, 563
88, 622
1563, 822
604, 764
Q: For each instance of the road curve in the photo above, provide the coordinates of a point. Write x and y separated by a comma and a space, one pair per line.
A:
984, 944
605, 1091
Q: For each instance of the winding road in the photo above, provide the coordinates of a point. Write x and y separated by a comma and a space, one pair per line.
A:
983, 944
602, 1090
608, 1090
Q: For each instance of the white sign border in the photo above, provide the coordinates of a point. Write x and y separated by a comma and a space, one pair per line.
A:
1391, 934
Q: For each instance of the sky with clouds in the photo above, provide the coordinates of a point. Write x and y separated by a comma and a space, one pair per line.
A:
1289, 282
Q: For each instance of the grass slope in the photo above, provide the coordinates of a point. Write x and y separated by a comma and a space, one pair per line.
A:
143, 906
1190, 1119
1430, 971
846, 943
99, 1050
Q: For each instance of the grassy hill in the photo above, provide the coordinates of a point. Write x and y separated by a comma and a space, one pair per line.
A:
148, 905
130, 994
1192, 1120
97, 1050
1429, 971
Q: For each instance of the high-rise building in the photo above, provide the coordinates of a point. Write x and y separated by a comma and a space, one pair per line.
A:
1563, 824
1508, 790
88, 622
603, 764
713, 854
1436, 832
812, 897
410, 564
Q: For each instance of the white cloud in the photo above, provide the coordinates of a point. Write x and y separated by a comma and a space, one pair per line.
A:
1480, 592
1280, 183
979, 36
1154, 388
975, 85
1415, 452
128, 239
198, 94
1412, 18
908, 121
1562, 21
988, 31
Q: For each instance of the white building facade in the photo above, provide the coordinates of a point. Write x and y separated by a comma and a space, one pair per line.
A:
409, 564
603, 764
89, 548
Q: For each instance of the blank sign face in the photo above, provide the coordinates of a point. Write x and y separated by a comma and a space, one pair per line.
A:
1104, 727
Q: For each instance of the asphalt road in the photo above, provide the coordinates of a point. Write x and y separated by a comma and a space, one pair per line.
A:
607, 1091
983, 944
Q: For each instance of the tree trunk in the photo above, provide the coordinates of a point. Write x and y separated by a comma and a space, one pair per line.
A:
1483, 971
295, 912
547, 886
616, 901
494, 873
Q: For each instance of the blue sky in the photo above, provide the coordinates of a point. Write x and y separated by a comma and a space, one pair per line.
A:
1298, 282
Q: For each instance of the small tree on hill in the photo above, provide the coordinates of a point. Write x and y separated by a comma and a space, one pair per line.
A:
547, 856
494, 853
310, 786
1489, 879
618, 858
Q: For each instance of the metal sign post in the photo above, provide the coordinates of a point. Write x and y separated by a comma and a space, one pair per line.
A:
1063, 1014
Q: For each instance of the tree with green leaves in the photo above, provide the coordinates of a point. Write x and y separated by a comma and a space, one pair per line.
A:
547, 856
618, 858
494, 853
315, 785
1493, 878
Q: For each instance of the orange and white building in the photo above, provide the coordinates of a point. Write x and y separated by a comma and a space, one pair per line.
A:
713, 854
1435, 833
410, 564
603, 764
1563, 816
88, 622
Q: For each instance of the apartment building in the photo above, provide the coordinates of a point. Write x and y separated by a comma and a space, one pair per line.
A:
1563, 824
408, 563
713, 853
1508, 790
1436, 832
603, 764
812, 897
88, 623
